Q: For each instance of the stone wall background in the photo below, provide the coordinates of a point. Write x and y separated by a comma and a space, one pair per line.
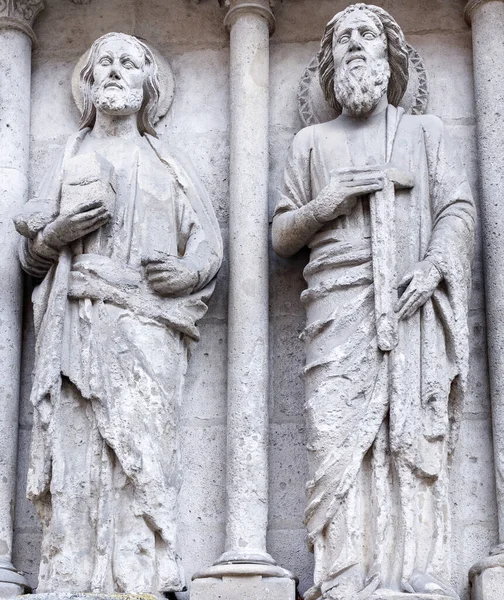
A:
191, 36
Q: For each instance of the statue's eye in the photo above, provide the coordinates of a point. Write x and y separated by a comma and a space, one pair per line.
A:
128, 64
344, 39
369, 35
105, 61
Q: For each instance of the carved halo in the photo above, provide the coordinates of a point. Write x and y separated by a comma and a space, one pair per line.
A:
166, 82
314, 109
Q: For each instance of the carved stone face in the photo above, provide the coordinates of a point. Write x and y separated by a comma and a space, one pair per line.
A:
118, 77
361, 63
357, 42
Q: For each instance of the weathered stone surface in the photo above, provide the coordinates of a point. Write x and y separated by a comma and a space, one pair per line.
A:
301, 22
185, 32
90, 596
488, 585
16, 38
288, 475
487, 18
289, 546
68, 30
243, 588
20, 14
248, 335
206, 378
127, 243
9, 590
382, 381
448, 62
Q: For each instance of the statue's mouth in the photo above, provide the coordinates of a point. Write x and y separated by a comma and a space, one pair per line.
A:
354, 57
114, 85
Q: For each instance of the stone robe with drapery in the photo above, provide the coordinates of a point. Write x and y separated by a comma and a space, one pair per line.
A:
381, 425
111, 356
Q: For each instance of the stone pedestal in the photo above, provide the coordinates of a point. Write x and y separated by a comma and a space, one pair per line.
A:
244, 588
234, 581
487, 577
488, 584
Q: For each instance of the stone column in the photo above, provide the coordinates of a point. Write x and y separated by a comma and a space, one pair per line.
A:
246, 571
487, 20
16, 40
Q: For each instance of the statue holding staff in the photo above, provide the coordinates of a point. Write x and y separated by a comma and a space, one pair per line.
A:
382, 202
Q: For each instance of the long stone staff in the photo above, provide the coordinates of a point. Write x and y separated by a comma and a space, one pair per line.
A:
383, 242
383, 239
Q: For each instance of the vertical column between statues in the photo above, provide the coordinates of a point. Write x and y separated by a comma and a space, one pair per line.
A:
487, 20
247, 442
246, 564
16, 39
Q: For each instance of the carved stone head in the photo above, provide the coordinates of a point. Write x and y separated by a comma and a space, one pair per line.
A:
120, 77
363, 55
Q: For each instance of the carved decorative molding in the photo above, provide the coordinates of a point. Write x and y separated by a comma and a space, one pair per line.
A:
261, 7
472, 6
20, 14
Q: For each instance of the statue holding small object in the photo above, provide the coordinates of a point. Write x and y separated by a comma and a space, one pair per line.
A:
124, 243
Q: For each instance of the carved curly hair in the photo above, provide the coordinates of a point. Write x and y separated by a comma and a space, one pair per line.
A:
147, 112
397, 54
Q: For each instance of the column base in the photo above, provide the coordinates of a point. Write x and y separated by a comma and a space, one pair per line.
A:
12, 583
487, 578
240, 581
243, 587
10, 590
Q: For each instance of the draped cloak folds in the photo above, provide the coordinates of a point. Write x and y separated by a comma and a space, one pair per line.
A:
381, 425
110, 361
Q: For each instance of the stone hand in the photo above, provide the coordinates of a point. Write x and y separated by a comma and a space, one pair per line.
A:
339, 196
170, 277
75, 224
420, 283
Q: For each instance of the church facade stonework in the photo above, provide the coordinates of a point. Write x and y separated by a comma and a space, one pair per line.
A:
252, 302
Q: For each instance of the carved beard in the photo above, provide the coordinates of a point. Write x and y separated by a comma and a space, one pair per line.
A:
113, 100
359, 88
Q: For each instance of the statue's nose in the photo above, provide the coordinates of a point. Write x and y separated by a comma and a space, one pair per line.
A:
355, 42
114, 74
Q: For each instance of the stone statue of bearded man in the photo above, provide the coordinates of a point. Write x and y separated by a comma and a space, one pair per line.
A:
124, 242
382, 202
